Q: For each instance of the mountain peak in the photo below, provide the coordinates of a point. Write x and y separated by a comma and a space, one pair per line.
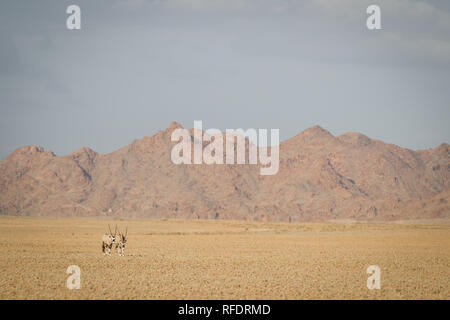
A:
30, 150
443, 148
316, 131
83, 150
174, 125
315, 134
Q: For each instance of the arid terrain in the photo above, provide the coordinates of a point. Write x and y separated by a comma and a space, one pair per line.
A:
320, 177
224, 259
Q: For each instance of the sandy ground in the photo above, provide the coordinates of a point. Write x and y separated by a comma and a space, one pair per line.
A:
175, 259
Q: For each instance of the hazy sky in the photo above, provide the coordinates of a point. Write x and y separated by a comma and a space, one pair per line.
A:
137, 65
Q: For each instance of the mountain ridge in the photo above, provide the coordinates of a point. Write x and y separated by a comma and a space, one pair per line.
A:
321, 177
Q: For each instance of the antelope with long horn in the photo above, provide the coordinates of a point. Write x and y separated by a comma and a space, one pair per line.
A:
108, 240
121, 243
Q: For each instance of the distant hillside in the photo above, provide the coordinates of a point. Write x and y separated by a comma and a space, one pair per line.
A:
321, 177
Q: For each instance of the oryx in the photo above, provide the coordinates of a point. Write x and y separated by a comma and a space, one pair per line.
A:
121, 242
108, 240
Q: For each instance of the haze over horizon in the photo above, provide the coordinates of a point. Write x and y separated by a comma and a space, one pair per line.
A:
137, 65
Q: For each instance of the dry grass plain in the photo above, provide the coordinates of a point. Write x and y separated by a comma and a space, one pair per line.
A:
174, 259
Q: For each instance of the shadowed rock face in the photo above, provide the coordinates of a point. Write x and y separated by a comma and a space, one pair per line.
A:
320, 177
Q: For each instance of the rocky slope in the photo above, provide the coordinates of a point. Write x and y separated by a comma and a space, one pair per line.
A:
321, 177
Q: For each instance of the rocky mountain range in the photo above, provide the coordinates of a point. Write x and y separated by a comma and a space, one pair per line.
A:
320, 177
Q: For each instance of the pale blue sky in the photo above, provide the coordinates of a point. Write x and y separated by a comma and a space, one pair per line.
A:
137, 65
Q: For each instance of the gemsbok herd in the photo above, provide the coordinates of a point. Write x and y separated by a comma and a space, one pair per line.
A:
108, 240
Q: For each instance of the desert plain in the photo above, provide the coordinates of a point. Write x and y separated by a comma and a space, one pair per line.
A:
221, 259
